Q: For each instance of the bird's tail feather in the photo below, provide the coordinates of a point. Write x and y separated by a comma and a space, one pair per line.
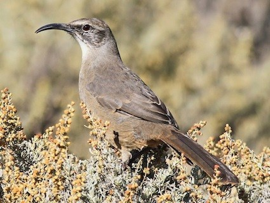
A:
196, 153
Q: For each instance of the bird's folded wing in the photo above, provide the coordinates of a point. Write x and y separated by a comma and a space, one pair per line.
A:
140, 108
126, 96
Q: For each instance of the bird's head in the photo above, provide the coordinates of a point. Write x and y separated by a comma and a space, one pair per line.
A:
92, 34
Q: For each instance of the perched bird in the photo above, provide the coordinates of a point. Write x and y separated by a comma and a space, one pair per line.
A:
138, 118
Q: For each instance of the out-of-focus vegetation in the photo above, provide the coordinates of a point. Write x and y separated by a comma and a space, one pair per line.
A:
42, 170
208, 60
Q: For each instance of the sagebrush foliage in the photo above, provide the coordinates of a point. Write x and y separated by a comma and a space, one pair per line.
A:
42, 170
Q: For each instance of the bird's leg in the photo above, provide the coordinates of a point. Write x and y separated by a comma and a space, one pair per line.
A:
126, 156
137, 154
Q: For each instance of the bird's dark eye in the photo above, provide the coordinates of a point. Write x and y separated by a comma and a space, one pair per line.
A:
86, 27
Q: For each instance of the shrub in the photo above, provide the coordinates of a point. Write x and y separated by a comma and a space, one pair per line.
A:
42, 170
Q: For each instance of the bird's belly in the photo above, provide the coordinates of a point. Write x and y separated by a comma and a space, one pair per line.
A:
125, 131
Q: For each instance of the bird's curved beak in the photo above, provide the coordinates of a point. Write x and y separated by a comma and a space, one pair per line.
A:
55, 26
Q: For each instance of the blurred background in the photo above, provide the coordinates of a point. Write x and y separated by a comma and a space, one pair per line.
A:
207, 60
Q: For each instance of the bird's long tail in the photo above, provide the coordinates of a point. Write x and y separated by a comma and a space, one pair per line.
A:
196, 153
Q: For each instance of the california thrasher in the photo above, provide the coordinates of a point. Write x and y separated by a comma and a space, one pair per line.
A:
138, 118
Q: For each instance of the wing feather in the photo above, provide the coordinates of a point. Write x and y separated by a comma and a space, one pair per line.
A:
124, 92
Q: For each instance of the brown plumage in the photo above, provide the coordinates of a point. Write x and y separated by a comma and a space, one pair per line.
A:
138, 118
